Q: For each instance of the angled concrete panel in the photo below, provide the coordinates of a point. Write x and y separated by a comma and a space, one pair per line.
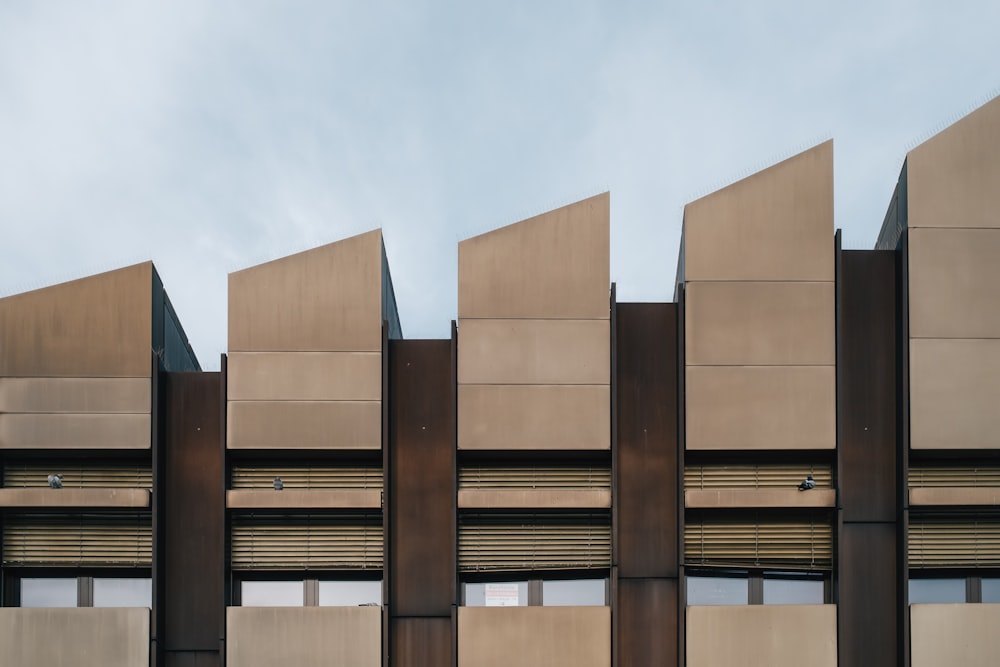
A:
99, 326
954, 394
305, 376
80, 395
774, 225
304, 425
534, 352
81, 637
325, 299
304, 636
952, 177
954, 634
555, 265
500, 417
534, 636
954, 279
760, 324
74, 431
761, 407
64, 498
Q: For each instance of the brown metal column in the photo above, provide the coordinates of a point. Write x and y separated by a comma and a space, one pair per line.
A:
421, 494
193, 524
868, 620
647, 498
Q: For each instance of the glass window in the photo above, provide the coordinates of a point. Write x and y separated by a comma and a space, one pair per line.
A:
123, 592
574, 592
991, 590
499, 594
272, 594
937, 590
717, 590
349, 593
793, 591
48, 592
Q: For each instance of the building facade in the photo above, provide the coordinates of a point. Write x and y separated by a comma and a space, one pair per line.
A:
796, 461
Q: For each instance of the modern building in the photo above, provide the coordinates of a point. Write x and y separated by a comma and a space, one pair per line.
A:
795, 462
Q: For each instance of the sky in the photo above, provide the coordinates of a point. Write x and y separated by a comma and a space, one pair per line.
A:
213, 136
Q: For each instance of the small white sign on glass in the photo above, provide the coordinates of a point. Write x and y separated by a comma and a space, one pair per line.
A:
501, 595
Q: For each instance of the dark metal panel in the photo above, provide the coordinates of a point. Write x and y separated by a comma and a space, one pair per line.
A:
867, 619
648, 628
421, 488
867, 385
193, 659
647, 499
419, 642
194, 522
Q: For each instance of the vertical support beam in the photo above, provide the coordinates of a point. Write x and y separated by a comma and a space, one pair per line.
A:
422, 547
194, 519
157, 506
648, 551
869, 619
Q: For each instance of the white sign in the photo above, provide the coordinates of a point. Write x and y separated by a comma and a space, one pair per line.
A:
501, 595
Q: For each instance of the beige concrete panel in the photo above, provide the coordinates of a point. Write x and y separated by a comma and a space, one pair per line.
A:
761, 407
954, 394
534, 498
304, 636
774, 225
759, 498
325, 299
100, 326
20, 497
534, 636
81, 395
555, 265
81, 637
304, 425
534, 352
303, 498
305, 376
964, 495
760, 324
534, 417
952, 177
954, 634
762, 636
71, 431
955, 282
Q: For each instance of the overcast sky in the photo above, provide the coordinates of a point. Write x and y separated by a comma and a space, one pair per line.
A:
212, 136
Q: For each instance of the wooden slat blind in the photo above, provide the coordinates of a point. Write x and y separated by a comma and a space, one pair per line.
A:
495, 542
756, 476
954, 476
92, 540
308, 477
534, 477
79, 475
791, 543
313, 542
962, 542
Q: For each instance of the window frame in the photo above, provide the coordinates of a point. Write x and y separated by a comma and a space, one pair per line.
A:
535, 581
755, 578
84, 582
310, 582
973, 583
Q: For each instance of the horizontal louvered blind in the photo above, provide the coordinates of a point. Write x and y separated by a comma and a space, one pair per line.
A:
956, 476
494, 542
965, 542
789, 543
92, 540
79, 475
752, 476
534, 477
308, 477
315, 542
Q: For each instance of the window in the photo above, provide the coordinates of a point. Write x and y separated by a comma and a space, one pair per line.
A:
85, 591
536, 593
951, 589
740, 587
310, 593
990, 590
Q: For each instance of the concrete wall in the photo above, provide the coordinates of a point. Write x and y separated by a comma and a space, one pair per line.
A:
534, 636
954, 634
763, 636
759, 310
81, 637
534, 339
304, 636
